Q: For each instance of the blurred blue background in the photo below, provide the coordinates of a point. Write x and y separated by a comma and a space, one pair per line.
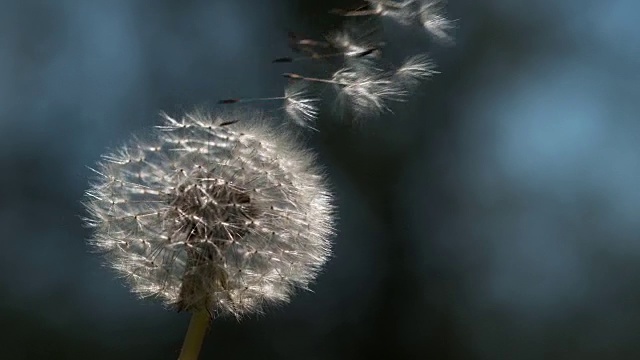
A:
496, 215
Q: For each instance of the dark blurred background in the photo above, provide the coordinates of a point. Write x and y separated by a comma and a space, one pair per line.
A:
496, 215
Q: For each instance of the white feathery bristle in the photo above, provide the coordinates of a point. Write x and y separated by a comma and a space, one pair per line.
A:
433, 20
360, 46
414, 69
216, 213
299, 105
402, 12
427, 13
366, 92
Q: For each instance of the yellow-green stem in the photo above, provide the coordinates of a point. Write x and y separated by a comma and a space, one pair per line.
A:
198, 327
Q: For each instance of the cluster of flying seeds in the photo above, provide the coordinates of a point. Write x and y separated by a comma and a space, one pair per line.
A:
362, 85
212, 213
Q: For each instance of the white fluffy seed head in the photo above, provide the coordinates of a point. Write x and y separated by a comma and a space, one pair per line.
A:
212, 213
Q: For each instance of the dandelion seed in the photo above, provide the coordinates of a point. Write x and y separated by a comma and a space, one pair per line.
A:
365, 93
299, 105
415, 69
354, 43
353, 54
212, 214
359, 46
300, 43
433, 20
426, 13
401, 12
311, 47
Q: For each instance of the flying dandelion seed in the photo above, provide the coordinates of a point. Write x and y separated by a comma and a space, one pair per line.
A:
367, 93
299, 104
431, 17
425, 13
415, 69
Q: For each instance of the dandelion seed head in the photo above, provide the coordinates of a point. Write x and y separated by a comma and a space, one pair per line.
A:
212, 213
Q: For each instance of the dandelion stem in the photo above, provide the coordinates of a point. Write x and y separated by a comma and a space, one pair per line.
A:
198, 327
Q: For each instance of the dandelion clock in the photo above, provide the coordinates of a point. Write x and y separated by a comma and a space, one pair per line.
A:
212, 215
